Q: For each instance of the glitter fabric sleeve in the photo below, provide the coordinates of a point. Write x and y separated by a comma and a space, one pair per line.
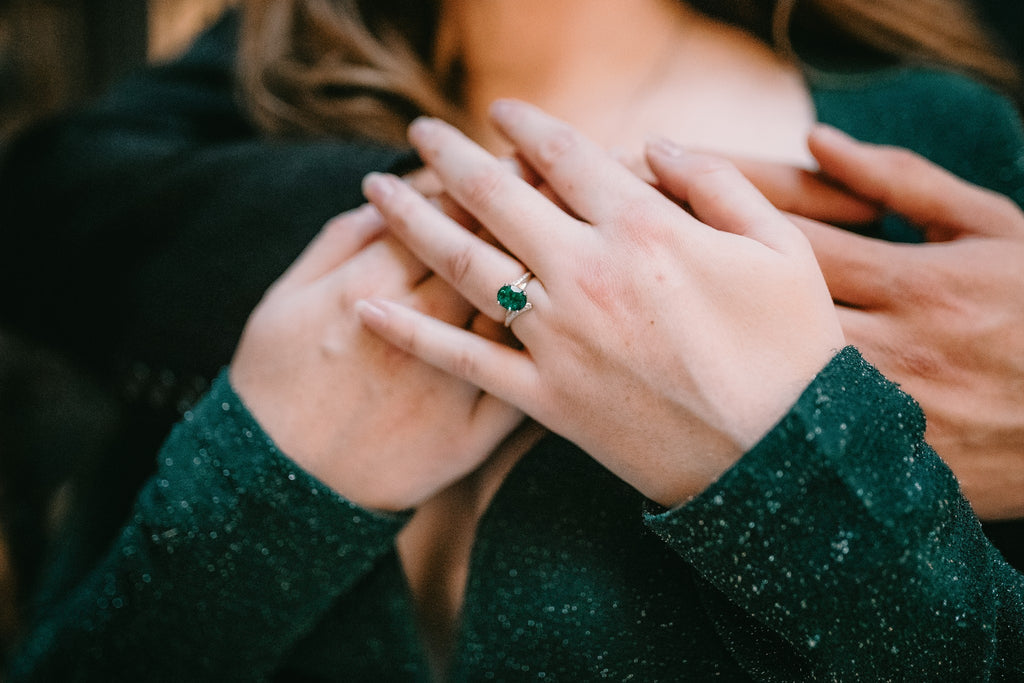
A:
231, 553
843, 539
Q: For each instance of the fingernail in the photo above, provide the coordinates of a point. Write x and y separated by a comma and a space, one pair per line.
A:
370, 313
827, 133
422, 126
379, 186
662, 146
502, 109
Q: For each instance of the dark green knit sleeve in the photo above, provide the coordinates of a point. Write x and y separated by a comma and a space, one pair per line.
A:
231, 554
840, 548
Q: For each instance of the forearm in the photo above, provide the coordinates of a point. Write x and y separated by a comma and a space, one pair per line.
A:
232, 554
845, 536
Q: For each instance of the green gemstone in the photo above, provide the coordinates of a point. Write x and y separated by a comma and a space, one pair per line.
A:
511, 298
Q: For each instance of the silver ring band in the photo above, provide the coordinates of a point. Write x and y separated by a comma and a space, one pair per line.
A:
512, 297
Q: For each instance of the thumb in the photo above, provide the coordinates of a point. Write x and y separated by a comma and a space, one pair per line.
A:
941, 204
339, 240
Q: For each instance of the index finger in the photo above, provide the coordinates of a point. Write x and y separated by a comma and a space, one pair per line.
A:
338, 241
512, 210
564, 157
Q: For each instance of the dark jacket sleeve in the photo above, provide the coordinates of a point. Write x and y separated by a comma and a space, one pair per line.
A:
232, 553
158, 212
843, 539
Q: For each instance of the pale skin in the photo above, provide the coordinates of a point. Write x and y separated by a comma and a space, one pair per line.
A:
346, 407
619, 72
647, 336
391, 432
629, 70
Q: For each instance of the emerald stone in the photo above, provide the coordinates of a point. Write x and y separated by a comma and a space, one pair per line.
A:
511, 298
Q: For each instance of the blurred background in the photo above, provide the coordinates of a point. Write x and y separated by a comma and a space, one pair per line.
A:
55, 54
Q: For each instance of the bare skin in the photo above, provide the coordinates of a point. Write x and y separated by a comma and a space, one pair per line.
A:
944, 319
661, 379
397, 433
620, 73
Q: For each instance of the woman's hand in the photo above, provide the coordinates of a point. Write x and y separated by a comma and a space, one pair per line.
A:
944, 319
380, 427
663, 345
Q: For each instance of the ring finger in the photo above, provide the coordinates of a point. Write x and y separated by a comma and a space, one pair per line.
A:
474, 268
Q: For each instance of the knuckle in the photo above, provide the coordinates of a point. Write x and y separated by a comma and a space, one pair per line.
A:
642, 225
607, 287
481, 186
712, 180
910, 287
557, 146
458, 265
463, 364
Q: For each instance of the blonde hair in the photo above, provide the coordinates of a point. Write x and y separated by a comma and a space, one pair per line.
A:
366, 68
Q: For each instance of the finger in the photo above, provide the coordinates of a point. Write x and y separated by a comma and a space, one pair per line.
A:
492, 421
338, 241
564, 157
719, 195
498, 370
385, 267
934, 199
472, 266
454, 210
495, 330
529, 225
860, 271
803, 192
424, 181
635, 161
436, 298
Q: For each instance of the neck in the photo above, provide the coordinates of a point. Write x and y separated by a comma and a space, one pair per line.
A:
621, 71
552, 52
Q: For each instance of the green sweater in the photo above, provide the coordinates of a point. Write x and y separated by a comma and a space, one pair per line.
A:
839, 548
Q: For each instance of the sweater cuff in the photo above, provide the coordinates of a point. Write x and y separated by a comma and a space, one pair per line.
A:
834, 434
220, 469
835, 513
